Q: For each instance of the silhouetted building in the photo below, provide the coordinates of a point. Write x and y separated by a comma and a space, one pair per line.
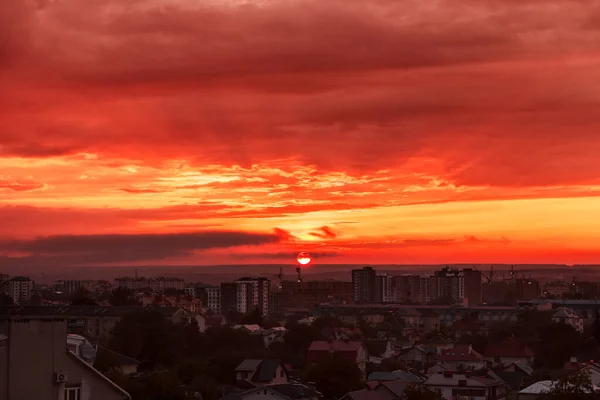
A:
459, 284
245, 295
363, 285
37, 363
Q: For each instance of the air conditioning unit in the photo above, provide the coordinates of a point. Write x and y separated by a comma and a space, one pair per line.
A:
60, 377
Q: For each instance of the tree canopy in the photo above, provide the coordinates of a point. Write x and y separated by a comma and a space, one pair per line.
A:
574, 386
335, 376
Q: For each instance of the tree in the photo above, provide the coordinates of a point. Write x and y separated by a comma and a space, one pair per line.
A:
253, 317
421, 393
82, 297
172, 292
574, 386
335, 376
556, 345
123, 297
148, 337
6, 300
366, 329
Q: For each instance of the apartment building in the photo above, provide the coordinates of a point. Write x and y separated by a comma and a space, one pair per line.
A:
36, 363
245, 295
159, 284
19, 288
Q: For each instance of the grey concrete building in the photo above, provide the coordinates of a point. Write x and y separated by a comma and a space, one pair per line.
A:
35, 363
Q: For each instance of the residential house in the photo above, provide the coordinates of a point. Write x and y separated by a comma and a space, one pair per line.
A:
508, 351
419, 356
283, 391
352, 350
392, 390
250, 328
270, 336
468, 326
513, 380
262, 372
458, 386
462, 357
564, 315
107, 359
40, 362
535, 391
519, 366
440, 342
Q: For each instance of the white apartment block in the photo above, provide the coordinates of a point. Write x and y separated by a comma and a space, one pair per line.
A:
19, 289
213, 299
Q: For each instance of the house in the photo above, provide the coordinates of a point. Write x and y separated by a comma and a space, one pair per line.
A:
248, 328
468, 326
419, 355
270, 336
454, 386
393, 390
39, 361
535, 391
462, 356
107, 360
564, 315
519, 367
512, 380
261, 372
440, 342
352, 350
508, 351
283, 391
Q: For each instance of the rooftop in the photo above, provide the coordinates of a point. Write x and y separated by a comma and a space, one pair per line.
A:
460, 353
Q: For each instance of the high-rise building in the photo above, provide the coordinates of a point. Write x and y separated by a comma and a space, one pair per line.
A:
363, 285
71, 286
382, 288
472, 286
308, 294
229, 298
459, 284
19, 288
407, 289
213, 299
245, 295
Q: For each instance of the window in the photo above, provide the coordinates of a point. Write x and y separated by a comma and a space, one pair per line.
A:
73, 393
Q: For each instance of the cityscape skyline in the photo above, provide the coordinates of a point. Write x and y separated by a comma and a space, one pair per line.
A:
251, 131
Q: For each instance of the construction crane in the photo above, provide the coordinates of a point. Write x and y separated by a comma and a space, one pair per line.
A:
489, 277
279, 276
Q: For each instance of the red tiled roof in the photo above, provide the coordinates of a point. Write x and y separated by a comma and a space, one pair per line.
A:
509, 347
460, 353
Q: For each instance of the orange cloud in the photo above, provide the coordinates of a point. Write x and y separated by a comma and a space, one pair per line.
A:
437, 131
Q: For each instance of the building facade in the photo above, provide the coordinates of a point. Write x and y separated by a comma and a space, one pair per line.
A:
363, 282
19, 288
36, 364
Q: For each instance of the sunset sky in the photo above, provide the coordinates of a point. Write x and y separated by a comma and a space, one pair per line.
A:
362, 131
